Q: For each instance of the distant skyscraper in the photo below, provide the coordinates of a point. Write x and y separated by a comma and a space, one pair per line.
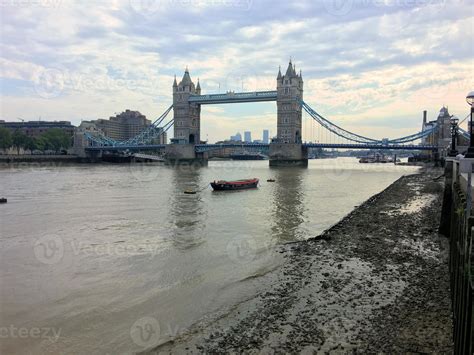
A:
266, 136
248, 136
236, 138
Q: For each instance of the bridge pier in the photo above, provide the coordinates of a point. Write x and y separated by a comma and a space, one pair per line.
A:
94, 156
184, 154
288, 154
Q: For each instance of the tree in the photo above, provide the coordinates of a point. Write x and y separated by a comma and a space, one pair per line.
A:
5, 138
42, 143
56, 139
30, 144
19, 140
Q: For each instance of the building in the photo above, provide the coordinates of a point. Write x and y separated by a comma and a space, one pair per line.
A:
236, 138
123, 126
248, 137
266, 136
37, 128
442, 136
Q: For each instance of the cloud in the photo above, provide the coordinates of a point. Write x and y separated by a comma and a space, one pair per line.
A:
372, 64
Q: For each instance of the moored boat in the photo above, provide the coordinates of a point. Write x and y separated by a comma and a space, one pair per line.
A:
223, 185
248, 156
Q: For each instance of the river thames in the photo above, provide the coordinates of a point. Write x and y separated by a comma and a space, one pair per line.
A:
90, 252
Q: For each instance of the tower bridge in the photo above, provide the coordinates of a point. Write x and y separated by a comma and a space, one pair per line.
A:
187, 101
286, 149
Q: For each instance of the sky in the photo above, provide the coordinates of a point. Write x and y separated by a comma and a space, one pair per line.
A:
370, 66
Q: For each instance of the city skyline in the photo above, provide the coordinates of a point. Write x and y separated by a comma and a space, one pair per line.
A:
265, 136
416, 58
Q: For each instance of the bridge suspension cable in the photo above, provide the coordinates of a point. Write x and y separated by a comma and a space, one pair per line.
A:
341, 132
150, 133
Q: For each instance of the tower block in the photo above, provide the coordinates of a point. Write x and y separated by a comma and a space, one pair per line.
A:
187, 121
287, 148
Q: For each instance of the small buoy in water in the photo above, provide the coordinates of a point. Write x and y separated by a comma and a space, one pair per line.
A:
189, 192
3, 200
271, 180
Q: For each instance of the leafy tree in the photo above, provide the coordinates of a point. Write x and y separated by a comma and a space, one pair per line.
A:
19, 140
56, 139
30, 144
5, 138
42, 143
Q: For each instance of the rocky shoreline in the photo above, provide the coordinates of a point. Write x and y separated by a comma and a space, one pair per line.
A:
377, 281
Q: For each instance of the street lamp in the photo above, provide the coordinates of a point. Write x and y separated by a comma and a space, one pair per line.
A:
470, 101
454, 134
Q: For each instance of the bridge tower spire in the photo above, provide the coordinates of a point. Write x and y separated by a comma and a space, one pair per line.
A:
287, 148
187, 116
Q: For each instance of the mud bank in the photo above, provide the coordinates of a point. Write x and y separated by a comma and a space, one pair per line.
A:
375, 282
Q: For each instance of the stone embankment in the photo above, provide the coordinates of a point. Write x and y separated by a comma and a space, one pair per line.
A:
12, 159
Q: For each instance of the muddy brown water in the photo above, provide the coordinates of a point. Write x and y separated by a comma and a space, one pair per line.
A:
91, 253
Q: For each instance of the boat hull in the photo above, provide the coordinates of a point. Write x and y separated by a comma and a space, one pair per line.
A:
234, 185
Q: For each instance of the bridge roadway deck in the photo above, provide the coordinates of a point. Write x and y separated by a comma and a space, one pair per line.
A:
207, 147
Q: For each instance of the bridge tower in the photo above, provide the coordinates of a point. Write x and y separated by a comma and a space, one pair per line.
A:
187, 120
187, 116
287, 148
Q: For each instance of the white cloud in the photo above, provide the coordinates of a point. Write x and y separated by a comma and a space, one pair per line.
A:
375, 64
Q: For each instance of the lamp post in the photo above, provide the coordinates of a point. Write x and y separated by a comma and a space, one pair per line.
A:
454, 133
470, 102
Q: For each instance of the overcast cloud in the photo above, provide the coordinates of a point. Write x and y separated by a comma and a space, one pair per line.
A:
371, 66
